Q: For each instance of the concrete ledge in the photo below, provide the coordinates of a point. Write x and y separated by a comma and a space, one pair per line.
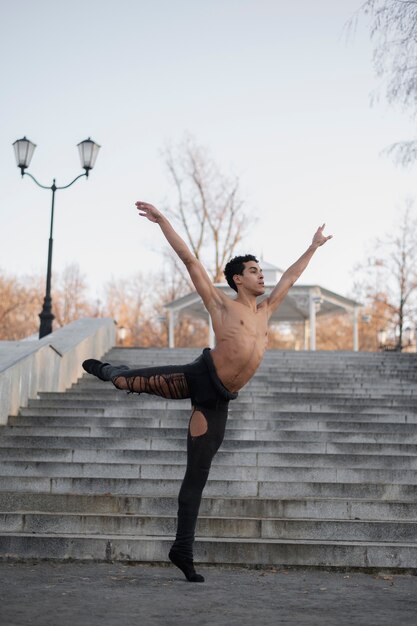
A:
49, 364
241, 551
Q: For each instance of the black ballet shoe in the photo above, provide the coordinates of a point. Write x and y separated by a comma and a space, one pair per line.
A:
94, 367
186, 566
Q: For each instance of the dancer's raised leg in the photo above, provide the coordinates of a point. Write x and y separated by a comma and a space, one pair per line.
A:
167, 381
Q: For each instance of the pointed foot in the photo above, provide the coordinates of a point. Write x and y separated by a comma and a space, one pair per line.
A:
186, 566
94, 367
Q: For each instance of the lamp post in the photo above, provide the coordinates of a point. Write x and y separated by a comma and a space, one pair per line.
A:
24, 150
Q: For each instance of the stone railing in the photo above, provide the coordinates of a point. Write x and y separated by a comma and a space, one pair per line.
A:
49, 364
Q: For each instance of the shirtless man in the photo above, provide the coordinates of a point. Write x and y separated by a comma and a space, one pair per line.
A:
241, 331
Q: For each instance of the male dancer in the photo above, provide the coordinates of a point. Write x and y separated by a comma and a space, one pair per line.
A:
241, 330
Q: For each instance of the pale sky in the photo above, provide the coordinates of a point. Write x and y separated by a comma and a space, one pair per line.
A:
272, 88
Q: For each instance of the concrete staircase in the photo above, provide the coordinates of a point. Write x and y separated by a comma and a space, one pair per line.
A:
318, 467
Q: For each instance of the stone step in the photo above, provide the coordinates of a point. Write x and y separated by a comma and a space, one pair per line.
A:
242, 445
289, 508
326, 389
117, 455
390, 398
255, 552
302, 427
323, 398
122, 486
164, 471
111, 406
122, 410
329, 368
332, 371
337, 378
291, 387
376, 491
248, 467
92, 398
370, 361
112, 401
262, 393
158, 471
214, 488
216, 527
99, 455
250, 409
235, 421
368, 364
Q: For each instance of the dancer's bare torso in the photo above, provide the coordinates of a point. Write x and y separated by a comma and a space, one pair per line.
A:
241, 339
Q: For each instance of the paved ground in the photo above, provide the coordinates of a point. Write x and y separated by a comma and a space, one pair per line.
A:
92, 594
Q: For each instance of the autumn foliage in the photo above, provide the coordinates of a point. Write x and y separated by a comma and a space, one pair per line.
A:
134, 304
137, 305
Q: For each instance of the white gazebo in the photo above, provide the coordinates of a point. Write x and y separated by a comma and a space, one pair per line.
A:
303, 303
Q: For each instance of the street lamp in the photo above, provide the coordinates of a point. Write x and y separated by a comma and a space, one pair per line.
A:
24, 150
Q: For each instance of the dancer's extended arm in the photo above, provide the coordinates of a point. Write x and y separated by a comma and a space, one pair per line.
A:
201, 280
295, 270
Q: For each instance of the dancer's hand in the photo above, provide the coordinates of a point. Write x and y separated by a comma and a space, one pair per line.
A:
149, 211
319, 239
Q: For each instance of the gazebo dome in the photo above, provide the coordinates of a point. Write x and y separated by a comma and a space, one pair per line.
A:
271, 273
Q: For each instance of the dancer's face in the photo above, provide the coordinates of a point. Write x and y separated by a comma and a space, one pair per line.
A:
252, 278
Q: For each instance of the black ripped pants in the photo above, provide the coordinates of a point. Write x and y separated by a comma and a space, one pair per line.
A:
199, 382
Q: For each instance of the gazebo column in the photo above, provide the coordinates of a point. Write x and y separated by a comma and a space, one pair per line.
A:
312, 320
305, 335
355, 329
171, 328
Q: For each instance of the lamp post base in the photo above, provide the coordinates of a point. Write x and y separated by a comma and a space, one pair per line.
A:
46, 317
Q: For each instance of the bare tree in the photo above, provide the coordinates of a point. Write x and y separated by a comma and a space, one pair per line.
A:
389, 278
124, 301
394, 30
208, 206
134, 303
137, 304
20, 303
70, 300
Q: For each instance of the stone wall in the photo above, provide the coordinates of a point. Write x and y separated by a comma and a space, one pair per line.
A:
49, 364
